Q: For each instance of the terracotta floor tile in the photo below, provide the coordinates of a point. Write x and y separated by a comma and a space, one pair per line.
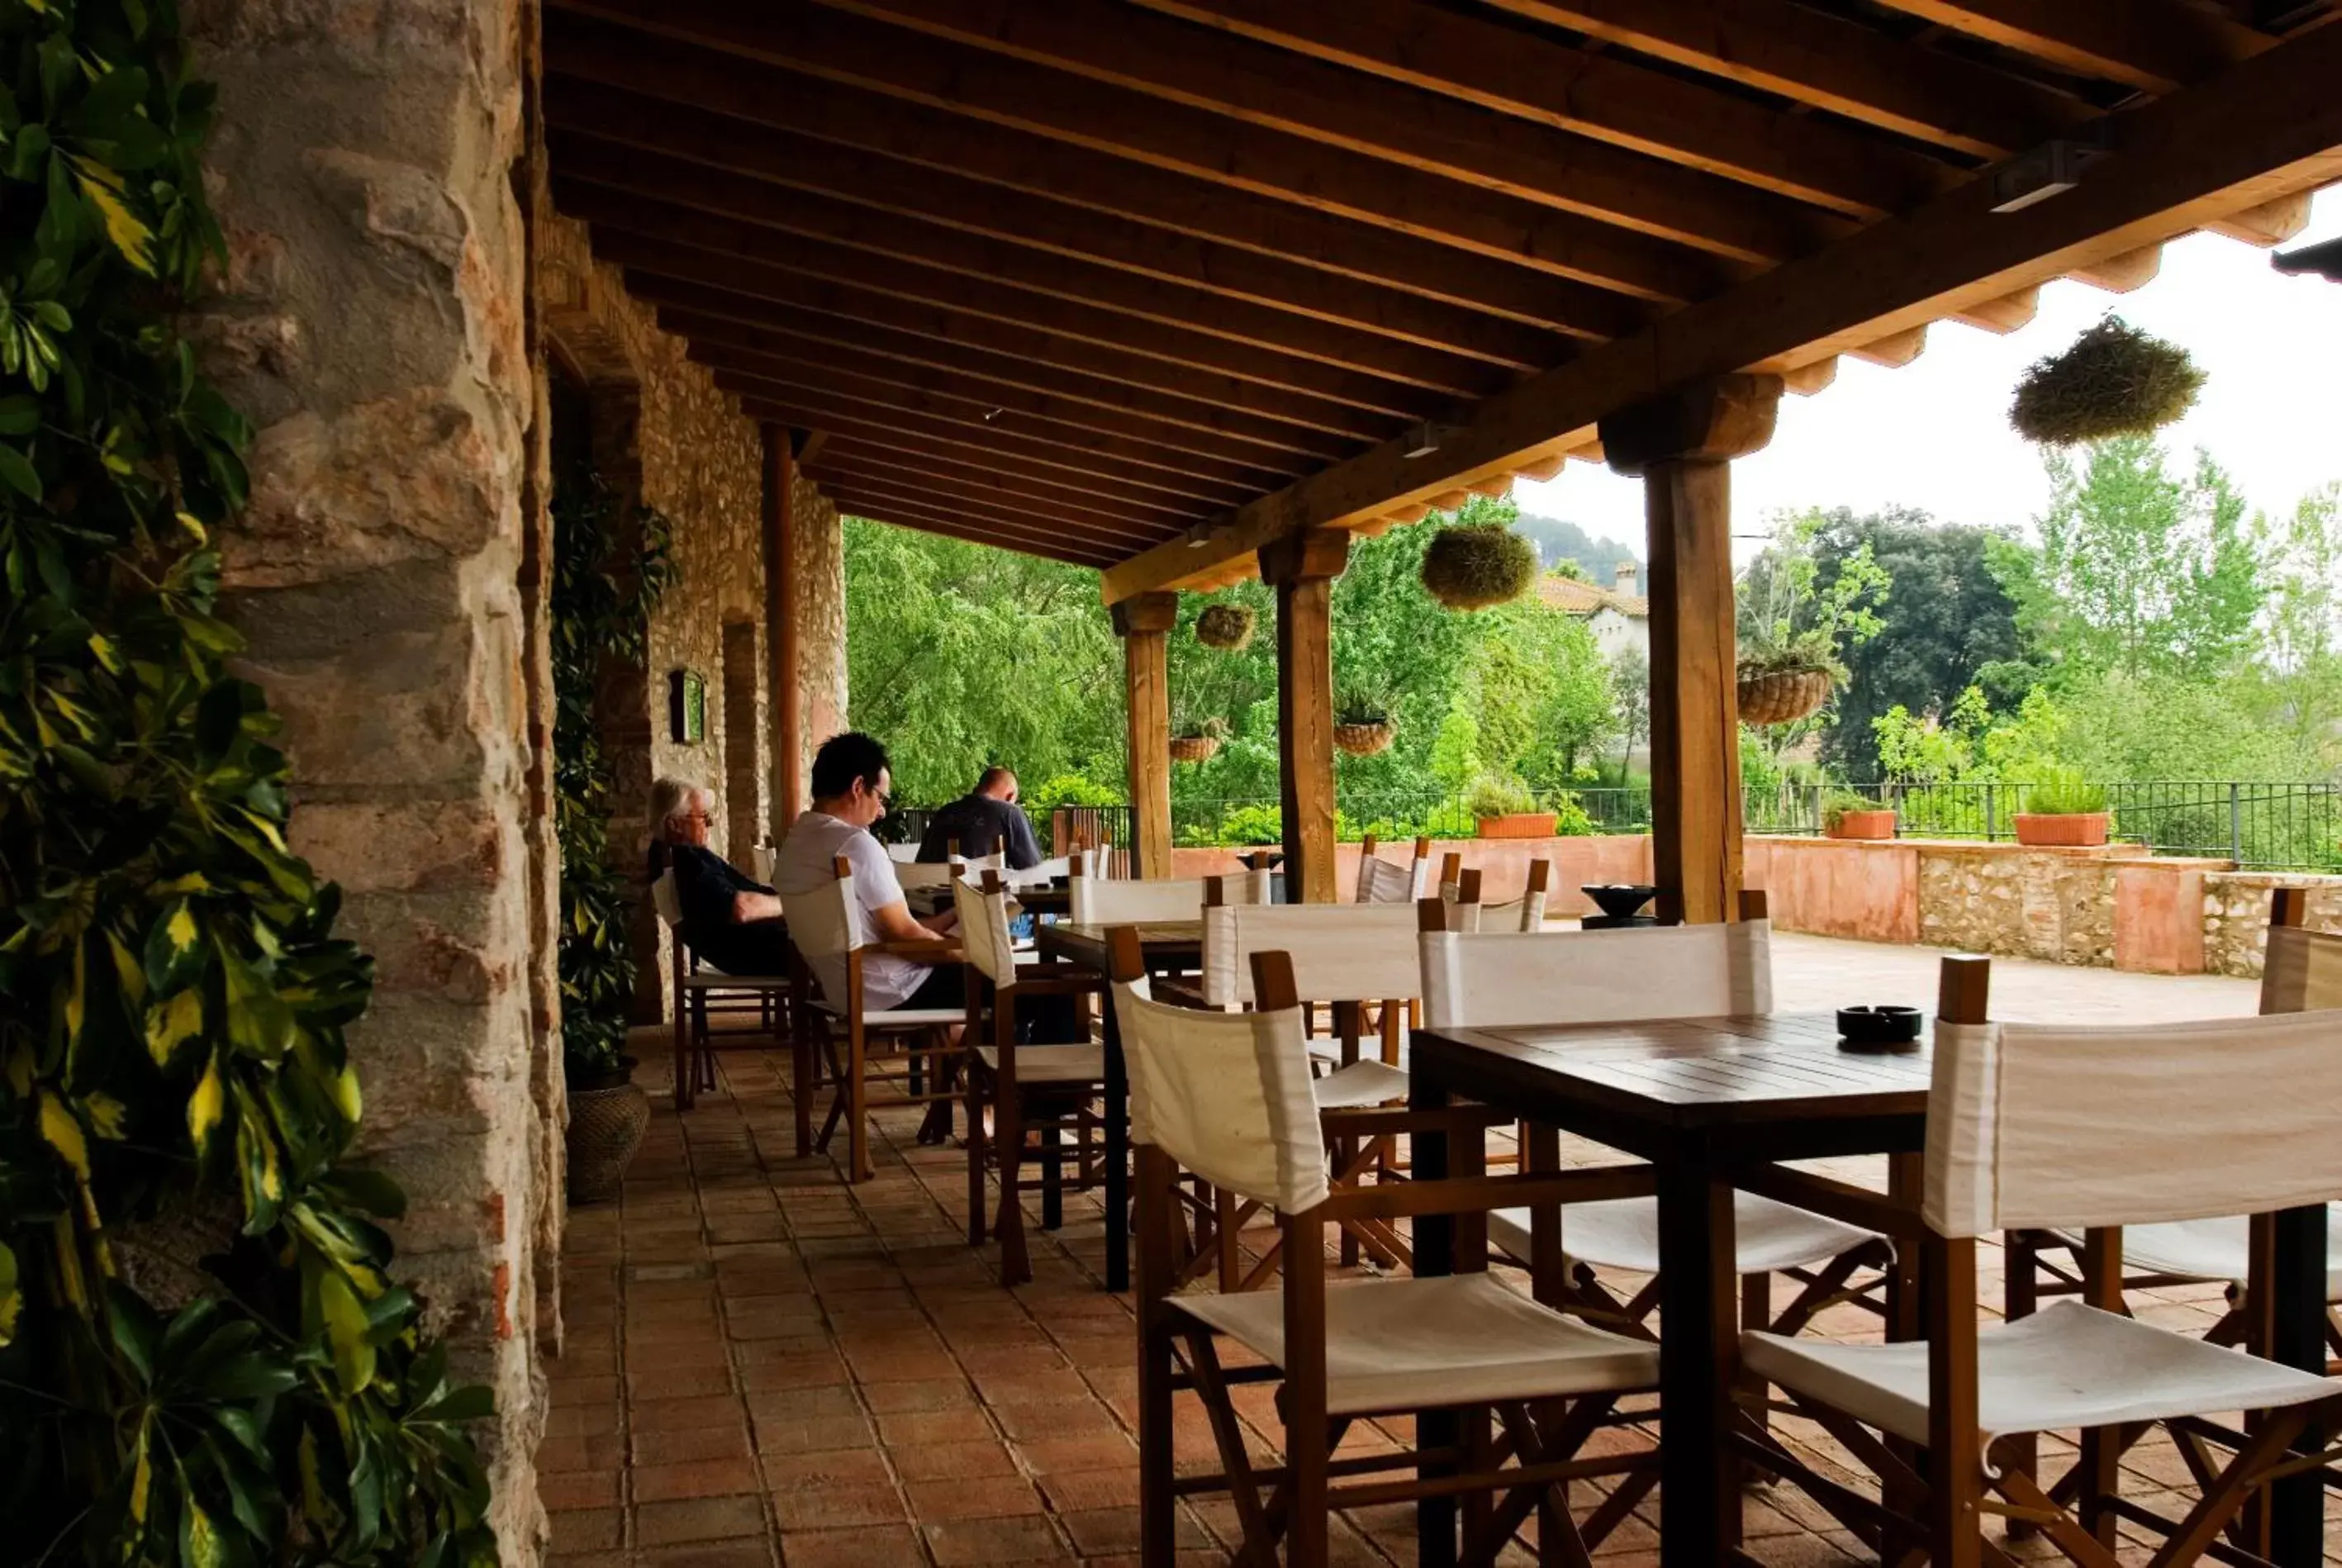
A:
871, 1547
603, 1450
1079, 1490
692, 1445
587, 1529
981, 1497
720, 1555
962, 1542
927, 1394
918, 1427
684, 1414
697, 1478
698, 1519
678, 1383
785, 1472
571, 1489
811, 1434
827, 1506
951, 1460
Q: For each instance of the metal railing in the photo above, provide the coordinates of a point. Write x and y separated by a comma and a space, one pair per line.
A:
1059, 830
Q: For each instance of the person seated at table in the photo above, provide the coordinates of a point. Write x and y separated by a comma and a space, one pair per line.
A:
981, 821
730, 921
851, 785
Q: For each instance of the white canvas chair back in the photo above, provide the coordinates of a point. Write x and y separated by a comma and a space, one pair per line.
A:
983, 933
1341, 952
1383, 882
2068, 1128
1048, 871
667, 900
1525, 914
903, 853
1482, 980
1228, 1095
2303, 971
826, 923
1101, 901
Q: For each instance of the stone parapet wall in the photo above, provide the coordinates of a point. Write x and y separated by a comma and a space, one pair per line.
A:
2236, 911
2058, 906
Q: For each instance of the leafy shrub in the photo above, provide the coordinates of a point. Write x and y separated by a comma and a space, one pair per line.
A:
1838, 802
1497, 794
1252, 825
1072, 789
1475, 565
1570, 819
2113, 380
2064, 791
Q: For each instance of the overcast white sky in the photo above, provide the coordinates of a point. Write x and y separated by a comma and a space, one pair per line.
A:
1935, 433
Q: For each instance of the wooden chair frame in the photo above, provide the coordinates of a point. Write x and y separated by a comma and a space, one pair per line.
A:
703, 995
1933, 1504
1289, 1503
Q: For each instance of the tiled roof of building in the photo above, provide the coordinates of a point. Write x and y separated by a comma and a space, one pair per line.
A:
1582, 598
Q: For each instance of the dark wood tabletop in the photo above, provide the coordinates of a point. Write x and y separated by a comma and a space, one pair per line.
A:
1161, 941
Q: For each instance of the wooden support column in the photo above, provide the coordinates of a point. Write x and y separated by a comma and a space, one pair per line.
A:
1302, 569
1681, 446
1144, 624
784, 698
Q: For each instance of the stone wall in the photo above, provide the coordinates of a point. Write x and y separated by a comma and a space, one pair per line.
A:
817, 600
2237, 911
371, 322
2053, 904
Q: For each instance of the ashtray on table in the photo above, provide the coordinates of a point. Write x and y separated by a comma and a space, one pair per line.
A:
1618, 900
1881, 1028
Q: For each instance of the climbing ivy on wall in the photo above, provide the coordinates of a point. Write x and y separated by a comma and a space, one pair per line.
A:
612, 563
203, 1357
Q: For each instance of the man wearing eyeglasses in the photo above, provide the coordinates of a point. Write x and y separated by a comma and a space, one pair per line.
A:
851, 785
730, 920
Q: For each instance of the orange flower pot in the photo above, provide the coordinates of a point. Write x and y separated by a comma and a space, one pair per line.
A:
1865, 824
1518, 824
2071, 830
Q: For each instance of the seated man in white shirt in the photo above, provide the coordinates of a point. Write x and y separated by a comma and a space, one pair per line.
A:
851, 782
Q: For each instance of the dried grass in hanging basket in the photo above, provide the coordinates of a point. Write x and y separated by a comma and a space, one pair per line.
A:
1364, 740
1194, 748
1783, 696
1475, 565
2114, 380
1227, 627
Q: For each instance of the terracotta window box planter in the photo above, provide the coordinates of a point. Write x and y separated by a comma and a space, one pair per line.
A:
1518, 824
2072, 829
1864, 825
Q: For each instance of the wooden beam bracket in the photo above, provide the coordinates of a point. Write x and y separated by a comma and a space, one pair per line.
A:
1297, 558
1145, 613
1726, 417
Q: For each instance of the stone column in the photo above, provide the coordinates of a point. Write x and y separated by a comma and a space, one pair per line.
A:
1302, 569
1143, 624
371, 322
1681, 446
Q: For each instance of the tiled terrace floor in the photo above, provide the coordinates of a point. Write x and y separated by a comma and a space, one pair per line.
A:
765, 1366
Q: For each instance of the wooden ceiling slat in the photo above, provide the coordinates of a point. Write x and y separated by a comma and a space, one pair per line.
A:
585, 48
1060, 250
1261, 85
2260, 131
1110, 476
1515, 72
849, 454
1004, 299
901, 354
996, 402
1141, 464
914, 440
1055, 548
2152, 44
663, 272
1828, 62
1003, 90
983, 509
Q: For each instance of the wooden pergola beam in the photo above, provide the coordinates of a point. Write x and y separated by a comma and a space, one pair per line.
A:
1039, 543
876, 351
1810, 57
1005, 90
820, 189
1516, 72
757, 295
667, 226
2265, 128
2155, 46
901, 473
584, 48
1031, 522
1259, 84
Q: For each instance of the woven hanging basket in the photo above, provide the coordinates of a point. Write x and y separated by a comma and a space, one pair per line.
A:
1783, 696
2114, 379
605, 1128
1194, 748
1476, 565
1364, 740
1227, 627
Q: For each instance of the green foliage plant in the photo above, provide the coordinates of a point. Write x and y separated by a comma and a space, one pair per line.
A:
612, 563
2064, 791
2113, 380
1499, 794
1072, 789
1478, 565
204, 1360
1570, 817
1227, 627
1838, 803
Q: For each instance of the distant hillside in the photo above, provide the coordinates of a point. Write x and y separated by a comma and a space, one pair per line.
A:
1558, 540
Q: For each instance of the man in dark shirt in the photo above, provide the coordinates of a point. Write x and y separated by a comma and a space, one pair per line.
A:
982, 821
732, 922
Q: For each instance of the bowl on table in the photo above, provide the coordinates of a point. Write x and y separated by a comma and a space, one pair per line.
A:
1619, 899
1877, 1028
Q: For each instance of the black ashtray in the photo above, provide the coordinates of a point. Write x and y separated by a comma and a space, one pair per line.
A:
1619, 899
1877, 1028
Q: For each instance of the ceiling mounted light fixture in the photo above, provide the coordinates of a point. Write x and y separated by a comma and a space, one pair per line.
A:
2050, 169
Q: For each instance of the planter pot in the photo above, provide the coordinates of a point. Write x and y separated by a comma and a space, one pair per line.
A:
1783, 696
606, 1122
1227, 627
1864, 825
1194, 748
1517, 825
1363, 740
2071, 830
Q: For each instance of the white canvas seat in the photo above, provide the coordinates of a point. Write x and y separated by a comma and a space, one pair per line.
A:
1113, 901
1467, 913
1051, 1063
904, 1017
2207, 1250
1409, 1345
1769, 1237
1359, 1084
1386, 881
2064, 1369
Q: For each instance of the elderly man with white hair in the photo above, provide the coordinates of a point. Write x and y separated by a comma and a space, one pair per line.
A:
732, 922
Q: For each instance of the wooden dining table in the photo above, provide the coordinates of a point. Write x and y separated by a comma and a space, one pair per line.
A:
1700, 1099
1168, 946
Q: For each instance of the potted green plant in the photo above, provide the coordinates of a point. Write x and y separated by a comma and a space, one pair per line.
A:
1227, 627
2063, 810
1779, 682
1846, 815
1476, 565
1362, 723
2113, 380
1196, 740
1502, 807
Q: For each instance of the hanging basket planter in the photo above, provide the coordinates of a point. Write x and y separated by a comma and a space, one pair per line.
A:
1194, 748
1783, 696
1364, 740
1476, 565
2114, 380
1227, 627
